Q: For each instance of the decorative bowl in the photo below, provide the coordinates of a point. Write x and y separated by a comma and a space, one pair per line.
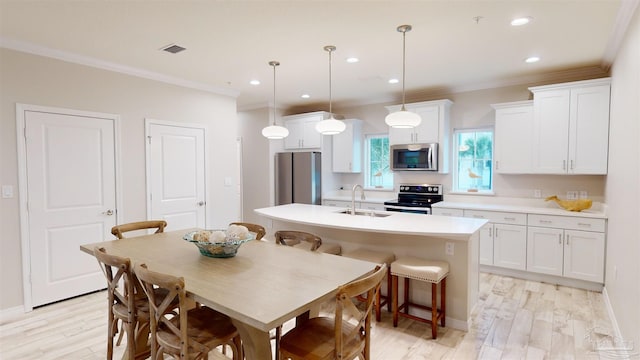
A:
218, 249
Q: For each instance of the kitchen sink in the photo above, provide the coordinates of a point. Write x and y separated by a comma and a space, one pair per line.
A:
364, 213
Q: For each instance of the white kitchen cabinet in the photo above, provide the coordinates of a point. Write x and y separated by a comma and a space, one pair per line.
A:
571, 127
434, 128
302, 130
347, 148
503, 241
513, 141
555, 247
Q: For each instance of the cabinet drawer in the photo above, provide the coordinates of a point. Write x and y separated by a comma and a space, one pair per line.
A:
498, 217
567, 222
447, 212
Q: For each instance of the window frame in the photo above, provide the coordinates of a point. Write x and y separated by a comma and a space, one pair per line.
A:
456, 146
367, 163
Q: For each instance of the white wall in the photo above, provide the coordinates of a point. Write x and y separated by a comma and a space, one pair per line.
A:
622, 190
43, 81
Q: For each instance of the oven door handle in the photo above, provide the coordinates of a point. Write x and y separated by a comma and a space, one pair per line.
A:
409, 208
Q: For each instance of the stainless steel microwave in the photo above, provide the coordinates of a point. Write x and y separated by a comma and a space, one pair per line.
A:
414, 157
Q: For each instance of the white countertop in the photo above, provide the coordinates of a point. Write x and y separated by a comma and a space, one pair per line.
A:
395, 223
528, 209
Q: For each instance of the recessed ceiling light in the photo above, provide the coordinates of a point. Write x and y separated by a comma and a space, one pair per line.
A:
352, 60
521, 21
305, 96
393, 81
254, 82
532, 59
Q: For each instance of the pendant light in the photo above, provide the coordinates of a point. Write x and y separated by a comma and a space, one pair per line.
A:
330, 126
403, 118
274, 131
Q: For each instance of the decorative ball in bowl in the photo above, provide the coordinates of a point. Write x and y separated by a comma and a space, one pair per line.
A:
220, 243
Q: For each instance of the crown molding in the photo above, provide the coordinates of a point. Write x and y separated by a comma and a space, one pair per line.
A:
109, 66
623, 19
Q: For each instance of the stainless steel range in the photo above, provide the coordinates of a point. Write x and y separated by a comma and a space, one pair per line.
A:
415, 198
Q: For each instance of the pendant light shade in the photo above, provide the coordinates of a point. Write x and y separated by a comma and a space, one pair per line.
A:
274, 131
403, 119
330, 126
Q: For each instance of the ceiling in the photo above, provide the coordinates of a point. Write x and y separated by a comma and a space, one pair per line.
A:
454, 45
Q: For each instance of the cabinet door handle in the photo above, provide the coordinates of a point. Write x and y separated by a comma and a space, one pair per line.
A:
545, 221
490, 232
560, 239
567, 239
497, 164
584, 224
510, 218
571, 162
564, 164
496, 233
478, 216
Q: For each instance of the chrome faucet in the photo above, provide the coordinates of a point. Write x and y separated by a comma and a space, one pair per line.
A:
353, 197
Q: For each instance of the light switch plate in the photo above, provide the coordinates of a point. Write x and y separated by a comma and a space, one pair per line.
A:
7, 191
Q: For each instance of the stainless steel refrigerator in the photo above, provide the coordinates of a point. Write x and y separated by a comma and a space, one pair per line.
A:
298, 178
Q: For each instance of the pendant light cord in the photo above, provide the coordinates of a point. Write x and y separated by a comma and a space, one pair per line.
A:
404, 57
329, 49
274, 64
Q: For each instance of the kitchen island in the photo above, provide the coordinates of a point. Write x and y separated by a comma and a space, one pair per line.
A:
451, 239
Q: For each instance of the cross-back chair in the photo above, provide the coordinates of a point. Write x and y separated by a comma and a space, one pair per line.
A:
254, 228
190, 334
127, 304
119, 230
298, 239
337, 338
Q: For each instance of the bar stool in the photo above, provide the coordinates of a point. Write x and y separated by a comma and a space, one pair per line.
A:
378, 257
434, 272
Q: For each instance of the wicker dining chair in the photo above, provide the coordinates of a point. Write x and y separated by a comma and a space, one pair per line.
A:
127, 304
189, 334
337, 338
254, 228
118, 230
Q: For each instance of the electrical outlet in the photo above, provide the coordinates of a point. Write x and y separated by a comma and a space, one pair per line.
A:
449, 247
572, 195
537, 193
583, 194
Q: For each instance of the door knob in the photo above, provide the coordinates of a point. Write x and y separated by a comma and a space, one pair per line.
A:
201, 203
108, 212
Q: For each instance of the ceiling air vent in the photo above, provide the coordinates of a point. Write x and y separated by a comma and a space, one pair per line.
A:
173, 48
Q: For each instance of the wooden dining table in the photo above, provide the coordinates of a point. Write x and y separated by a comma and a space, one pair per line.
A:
260, 288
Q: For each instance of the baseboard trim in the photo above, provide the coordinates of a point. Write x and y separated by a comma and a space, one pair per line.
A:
11, 313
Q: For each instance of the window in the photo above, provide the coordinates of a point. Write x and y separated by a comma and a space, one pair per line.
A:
377, 173
473, 160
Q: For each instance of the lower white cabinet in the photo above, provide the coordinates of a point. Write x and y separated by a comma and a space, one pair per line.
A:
503, 241
570, 253
510, 246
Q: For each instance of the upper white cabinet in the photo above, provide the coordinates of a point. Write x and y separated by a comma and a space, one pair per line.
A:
434, 128
513, 141
302, 130
571, 127
347, 148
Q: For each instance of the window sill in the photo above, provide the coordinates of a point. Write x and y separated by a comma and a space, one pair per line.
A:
479, 192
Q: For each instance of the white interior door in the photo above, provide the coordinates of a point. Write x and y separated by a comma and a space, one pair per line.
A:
71, 190
176, 175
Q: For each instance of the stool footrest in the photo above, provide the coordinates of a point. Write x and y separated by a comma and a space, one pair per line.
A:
406, 306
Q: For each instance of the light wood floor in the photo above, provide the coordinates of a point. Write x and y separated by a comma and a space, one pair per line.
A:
514, 319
